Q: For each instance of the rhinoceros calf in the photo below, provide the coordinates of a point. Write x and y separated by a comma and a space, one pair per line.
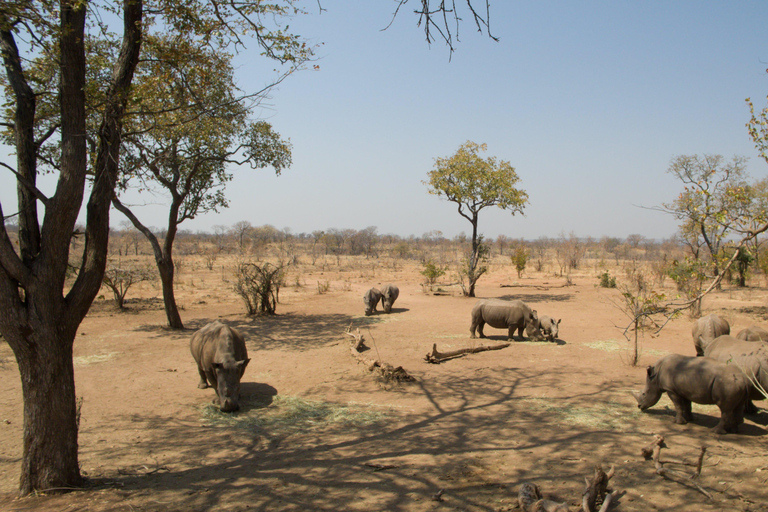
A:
749, 356
708, 328
221, 357
371, 300
549, 328
701, 380
389, 294
753, 333
513, 315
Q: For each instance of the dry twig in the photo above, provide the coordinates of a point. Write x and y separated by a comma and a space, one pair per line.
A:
436, 357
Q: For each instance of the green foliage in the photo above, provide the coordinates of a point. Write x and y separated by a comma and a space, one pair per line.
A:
607, 280
689, 276
474, 182
432, 272
519, 258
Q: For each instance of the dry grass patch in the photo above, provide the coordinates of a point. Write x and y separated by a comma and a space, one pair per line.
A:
283, 415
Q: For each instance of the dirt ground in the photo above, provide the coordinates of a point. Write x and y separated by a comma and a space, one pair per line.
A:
314, 424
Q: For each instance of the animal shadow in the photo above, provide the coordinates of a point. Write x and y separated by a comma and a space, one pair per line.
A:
256, 395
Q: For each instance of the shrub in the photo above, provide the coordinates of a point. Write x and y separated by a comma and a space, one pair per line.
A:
432, 272
259, 286
519, 258
607, 280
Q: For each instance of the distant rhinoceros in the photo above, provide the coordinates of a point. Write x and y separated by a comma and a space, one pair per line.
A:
221, 357
513, 315
549, 328
371, 300
389, 294
708, 328
750, 357
753, 333
701, 380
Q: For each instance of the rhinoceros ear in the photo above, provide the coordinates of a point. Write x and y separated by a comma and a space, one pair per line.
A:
650, 372
559, 320
242, 364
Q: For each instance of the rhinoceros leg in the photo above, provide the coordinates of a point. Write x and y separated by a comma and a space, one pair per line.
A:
682, 408
751, 408
203, 381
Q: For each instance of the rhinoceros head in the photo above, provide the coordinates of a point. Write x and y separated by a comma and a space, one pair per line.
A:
228, 376
652, 392
371, 300
533, 327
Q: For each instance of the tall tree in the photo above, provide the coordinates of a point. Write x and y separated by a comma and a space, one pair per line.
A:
712, 189
69, 96
197, 126
474, 183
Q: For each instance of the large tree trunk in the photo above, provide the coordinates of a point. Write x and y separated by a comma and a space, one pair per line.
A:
165, 267
49, 461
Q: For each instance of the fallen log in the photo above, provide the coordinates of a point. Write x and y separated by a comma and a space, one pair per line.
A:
386, 371
436, 357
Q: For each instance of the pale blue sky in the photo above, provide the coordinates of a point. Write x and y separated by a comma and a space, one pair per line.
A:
588, 100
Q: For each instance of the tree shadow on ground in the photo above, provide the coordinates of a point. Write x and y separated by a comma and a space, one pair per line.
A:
457, 444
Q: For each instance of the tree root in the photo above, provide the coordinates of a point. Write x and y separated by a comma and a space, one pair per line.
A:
436, 357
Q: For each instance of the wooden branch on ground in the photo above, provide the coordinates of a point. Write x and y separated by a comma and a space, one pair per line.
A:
385, 370
596, 494
654, 449
436, 357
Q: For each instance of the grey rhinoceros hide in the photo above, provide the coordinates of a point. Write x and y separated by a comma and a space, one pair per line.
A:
221, 357
549, 327
701, 380
389, 294
750, 357
753, 333
371, 300
513, 315
706, 329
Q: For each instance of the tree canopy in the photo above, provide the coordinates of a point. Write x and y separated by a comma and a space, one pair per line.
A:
474, 183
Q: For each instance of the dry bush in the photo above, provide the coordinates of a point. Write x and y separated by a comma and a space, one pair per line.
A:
259, 286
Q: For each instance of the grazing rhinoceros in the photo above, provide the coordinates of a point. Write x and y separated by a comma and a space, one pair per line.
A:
708, 327
389, 294
221, 357
549, 328
753, 333
750, 357
513, 315
701, 380
371, 300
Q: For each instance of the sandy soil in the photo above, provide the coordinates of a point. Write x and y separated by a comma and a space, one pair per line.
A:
312, 418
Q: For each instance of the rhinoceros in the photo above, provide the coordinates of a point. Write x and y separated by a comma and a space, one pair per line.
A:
513, 315
748, 356
221, 357
371, 300
708, 328
389, 294
753, 333
702, 380
549, 328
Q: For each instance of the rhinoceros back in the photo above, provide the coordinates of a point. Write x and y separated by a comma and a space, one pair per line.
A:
215, 343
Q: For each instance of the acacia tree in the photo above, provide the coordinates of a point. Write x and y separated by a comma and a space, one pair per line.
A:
474, 183
197, 128
713, 191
